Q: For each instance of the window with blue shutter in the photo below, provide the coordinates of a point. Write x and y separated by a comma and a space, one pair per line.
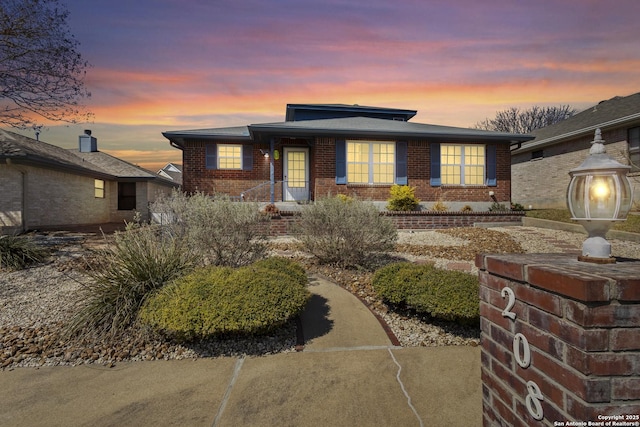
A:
401, 163
492, 166
210, 156
247, 157
341, 162
435, 164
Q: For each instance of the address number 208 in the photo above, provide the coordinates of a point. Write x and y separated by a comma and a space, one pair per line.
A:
522, 354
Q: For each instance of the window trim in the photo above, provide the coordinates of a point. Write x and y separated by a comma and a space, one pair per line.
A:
371, 164
98, 190
219, 157
211, 156
463, 164
490, 165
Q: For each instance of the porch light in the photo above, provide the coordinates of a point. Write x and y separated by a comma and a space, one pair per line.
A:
598, 195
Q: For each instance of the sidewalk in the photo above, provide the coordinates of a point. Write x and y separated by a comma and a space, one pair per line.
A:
348, 374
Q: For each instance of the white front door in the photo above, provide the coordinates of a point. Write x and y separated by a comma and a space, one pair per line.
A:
296, 174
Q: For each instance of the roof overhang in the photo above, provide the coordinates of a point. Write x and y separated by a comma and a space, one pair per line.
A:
54, 165
353, 127
586, 131
232, 134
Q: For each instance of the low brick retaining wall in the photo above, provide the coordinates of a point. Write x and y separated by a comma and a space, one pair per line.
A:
284, 222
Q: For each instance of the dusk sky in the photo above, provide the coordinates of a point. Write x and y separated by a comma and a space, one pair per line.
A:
161, 65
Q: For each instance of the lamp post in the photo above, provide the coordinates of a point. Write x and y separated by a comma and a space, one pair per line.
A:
598, 195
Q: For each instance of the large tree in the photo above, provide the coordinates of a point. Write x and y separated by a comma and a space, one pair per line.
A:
41, 70
515, 120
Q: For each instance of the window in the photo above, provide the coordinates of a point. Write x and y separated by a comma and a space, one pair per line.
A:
126, 196
462, 164
535, 155
229, 156
634, 148
98, 186
370, 162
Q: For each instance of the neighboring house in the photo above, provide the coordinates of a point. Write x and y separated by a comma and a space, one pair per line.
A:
540, 168
43, 186
330, 149
173, 172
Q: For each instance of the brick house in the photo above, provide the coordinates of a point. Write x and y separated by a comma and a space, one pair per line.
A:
43, 186
330, 149
540, 167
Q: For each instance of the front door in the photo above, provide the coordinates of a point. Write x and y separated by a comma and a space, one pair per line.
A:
296, 174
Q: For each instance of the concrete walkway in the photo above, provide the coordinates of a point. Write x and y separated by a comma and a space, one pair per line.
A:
349, 374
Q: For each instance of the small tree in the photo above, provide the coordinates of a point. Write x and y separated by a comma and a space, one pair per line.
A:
41, 71
515, 120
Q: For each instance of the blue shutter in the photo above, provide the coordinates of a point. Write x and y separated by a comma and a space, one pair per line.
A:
435, 164
210, 156
247, 157
492, 166
341, 162
401, 163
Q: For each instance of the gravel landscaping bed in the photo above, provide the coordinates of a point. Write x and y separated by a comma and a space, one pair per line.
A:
36, 302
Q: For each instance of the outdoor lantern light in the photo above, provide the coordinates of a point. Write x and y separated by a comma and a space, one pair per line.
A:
599, 194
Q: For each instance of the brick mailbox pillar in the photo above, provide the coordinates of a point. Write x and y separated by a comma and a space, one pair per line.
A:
560, 341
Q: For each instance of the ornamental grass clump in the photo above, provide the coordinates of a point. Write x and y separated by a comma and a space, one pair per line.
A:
19, 252
142, 259
345, 233
443, 294
223, 301
222, 231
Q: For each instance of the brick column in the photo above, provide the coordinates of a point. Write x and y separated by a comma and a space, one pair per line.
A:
560, 341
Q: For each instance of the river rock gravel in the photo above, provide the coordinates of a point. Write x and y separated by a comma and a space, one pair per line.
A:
36, 302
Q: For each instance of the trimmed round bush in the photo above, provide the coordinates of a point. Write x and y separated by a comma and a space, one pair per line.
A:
224, 301
443, 294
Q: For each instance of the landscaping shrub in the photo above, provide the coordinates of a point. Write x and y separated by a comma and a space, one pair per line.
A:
223, 301
498, 207
443, 294
222, 231
403, 198
18, 252
345, 233
142, 259
439, 206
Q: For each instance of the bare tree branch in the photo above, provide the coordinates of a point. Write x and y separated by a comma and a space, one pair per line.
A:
41, 71
514, 120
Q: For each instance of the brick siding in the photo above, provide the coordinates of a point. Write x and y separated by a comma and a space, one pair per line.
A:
322, 174
284, 223
581, 322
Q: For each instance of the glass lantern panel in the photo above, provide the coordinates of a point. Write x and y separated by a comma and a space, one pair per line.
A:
602, 194
576, 195
626, 196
